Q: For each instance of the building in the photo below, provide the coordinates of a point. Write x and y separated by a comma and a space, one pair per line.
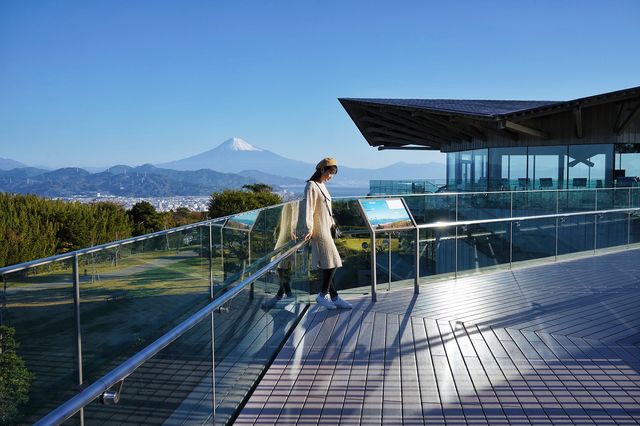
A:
493, 145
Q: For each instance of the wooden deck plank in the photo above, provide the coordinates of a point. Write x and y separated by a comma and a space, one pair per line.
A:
550, 344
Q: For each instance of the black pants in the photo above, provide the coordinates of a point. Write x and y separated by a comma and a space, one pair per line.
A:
285, 278
327, 282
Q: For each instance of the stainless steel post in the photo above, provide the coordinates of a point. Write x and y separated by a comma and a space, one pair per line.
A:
211, 288
557, 236
510, 244
558, 221
455, 258
224, 277
374, 296
595, 232
595, 224
416, 281
455, 244
629, 220
389, 254
76, 304
213, 370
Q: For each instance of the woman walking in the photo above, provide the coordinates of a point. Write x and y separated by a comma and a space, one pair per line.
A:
319, 223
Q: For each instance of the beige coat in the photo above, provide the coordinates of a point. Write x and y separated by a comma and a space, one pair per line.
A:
287, 230
318, 221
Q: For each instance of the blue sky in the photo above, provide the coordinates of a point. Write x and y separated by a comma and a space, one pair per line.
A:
97, 83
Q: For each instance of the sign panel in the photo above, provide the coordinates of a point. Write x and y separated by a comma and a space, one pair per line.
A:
388, 213
243, 221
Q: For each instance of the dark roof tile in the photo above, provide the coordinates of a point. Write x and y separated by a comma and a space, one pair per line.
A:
463, 106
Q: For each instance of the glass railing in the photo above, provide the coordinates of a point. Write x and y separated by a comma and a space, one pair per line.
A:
461, 233
405, 186
79, 316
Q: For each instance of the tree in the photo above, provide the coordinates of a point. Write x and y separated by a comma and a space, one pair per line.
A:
184, 216
258, 187
145, 218
232, 201
14, 378
32, 227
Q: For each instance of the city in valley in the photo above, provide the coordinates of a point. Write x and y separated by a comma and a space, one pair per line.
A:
198, 203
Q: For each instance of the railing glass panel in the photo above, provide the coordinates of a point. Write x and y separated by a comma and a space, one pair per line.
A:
434, 208
354, 247
132, 294
487, 205
576, 201
533, 239
438, 251
395, 259
634, 227
251, 329
576, 234
216, 231
174, 387
39, 305
534, 203
635, 197
612, 229
613, 198
482, 246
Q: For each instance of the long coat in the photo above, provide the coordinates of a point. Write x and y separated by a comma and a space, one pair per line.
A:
318, 221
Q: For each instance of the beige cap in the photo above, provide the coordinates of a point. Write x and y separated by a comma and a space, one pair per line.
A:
327, 162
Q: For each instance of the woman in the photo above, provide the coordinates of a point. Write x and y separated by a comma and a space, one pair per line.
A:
319, 221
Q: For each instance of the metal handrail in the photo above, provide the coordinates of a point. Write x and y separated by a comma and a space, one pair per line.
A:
93, 249
46, 260
519, 218
121, 372
518, 191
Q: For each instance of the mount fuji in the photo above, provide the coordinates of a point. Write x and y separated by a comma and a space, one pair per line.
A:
235, 155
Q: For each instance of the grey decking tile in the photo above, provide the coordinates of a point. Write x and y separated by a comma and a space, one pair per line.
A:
530, 346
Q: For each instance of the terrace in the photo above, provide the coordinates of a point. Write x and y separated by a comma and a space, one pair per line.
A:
549, 344
505, 307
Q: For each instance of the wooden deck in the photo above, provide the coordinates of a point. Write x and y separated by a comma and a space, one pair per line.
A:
551, 344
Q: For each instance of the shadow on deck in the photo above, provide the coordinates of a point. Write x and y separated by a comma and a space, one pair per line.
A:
550, 344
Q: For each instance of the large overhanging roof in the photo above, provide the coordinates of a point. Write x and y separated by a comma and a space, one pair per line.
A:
433, 124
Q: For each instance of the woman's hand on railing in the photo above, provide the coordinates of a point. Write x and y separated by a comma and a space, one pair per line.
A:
308, 236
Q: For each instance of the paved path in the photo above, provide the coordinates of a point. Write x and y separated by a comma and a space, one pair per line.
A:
551, 344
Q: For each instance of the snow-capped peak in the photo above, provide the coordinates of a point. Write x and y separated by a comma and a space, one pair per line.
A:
237, 144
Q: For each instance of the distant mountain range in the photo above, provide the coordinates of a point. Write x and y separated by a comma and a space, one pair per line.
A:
232, 164
236, 155
8, 164
125, 181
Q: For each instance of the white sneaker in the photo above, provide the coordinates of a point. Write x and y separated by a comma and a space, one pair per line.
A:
323, 300
340, 303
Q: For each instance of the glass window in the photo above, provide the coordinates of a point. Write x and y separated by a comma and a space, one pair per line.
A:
467, 170
451, 169
590, 166
627, 165
507, 169
480, 169
547, 166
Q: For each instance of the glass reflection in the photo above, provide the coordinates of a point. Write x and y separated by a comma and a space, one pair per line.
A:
612, 230
482, 246
627, 165
589, 166
533, 239
38, 309
547, 166
508, 169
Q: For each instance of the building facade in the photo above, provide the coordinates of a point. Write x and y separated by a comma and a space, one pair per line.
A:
493, 145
